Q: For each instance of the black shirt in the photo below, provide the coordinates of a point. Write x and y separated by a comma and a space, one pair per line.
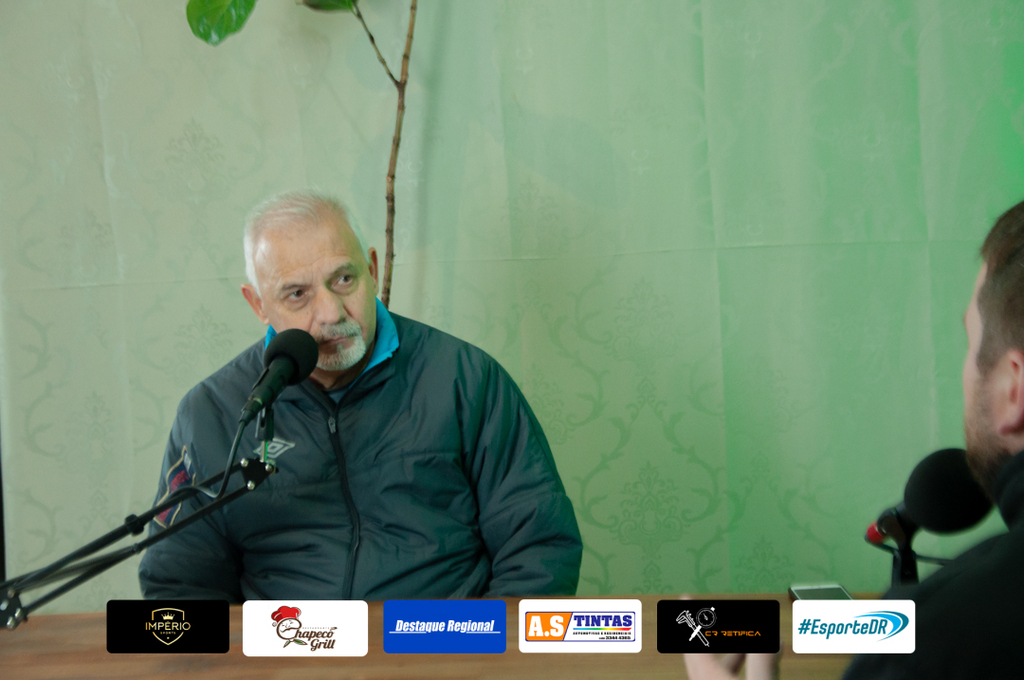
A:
969, 613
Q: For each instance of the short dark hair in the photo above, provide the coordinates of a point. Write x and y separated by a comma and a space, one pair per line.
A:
1001, 298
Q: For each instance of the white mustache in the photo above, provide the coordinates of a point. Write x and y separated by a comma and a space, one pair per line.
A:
345, 329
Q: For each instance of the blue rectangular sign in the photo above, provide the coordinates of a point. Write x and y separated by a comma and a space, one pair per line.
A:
444, 626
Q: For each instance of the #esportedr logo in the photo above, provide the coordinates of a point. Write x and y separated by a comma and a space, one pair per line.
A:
854, 627
886, 624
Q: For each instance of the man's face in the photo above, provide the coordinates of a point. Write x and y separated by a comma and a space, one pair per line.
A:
315, 277
986, 453
972, 324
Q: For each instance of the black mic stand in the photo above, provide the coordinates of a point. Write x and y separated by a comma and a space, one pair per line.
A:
265, 429
904, 565
254, 472
904, 559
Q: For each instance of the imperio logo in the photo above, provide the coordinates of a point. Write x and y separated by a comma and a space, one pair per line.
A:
168, 625
579, 626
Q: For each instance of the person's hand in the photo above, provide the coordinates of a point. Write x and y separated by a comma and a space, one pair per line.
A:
727, 667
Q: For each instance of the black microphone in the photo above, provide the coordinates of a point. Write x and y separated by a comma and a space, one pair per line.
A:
941, 496
288, 360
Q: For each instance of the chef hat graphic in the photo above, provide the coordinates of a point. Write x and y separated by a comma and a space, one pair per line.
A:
285, 613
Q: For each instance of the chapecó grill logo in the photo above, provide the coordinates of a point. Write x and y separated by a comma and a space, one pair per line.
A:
854, 626
289, 628
305, 628
718, 626
567, 626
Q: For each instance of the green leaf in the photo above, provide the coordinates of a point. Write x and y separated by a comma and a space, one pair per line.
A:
330, 5
214, 20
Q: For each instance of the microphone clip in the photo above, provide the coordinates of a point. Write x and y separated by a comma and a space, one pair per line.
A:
265, 425
894, 524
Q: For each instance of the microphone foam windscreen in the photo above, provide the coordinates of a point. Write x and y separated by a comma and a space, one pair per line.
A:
297, 345
942, 496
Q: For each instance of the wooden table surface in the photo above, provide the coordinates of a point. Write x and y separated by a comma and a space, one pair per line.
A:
74, 646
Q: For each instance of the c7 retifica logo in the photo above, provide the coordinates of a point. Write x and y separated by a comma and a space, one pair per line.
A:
718, 626
705, 619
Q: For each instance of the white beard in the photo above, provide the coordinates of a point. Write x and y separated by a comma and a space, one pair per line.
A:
342, 359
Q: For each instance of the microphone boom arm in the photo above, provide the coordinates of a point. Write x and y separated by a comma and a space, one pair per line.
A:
12, 612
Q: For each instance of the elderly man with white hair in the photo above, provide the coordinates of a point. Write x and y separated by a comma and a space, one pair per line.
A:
409, 463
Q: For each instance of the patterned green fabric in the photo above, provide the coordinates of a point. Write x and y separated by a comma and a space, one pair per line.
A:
723, 246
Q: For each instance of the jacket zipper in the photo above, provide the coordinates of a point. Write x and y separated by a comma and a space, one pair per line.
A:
346, 492
325, 403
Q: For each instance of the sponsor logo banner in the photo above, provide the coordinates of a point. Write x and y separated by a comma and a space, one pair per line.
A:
307, 628
854, 627
574, 626
718, 626
168, 627
444, 626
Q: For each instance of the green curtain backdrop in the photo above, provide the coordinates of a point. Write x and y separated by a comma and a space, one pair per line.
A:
723, 246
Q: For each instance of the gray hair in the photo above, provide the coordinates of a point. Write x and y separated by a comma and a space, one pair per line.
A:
287, 210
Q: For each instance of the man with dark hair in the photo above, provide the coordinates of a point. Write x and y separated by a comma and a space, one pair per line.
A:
969, 612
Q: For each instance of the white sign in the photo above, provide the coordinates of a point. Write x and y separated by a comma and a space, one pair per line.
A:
580, 626
307, 628
854, 627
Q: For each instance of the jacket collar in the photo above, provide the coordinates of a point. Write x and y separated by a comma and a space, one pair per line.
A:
1008, 490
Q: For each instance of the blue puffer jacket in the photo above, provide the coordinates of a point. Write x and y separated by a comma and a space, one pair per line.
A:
431, 478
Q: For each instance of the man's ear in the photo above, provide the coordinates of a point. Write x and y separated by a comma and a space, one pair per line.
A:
255, 301
372, 263
1008, 406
